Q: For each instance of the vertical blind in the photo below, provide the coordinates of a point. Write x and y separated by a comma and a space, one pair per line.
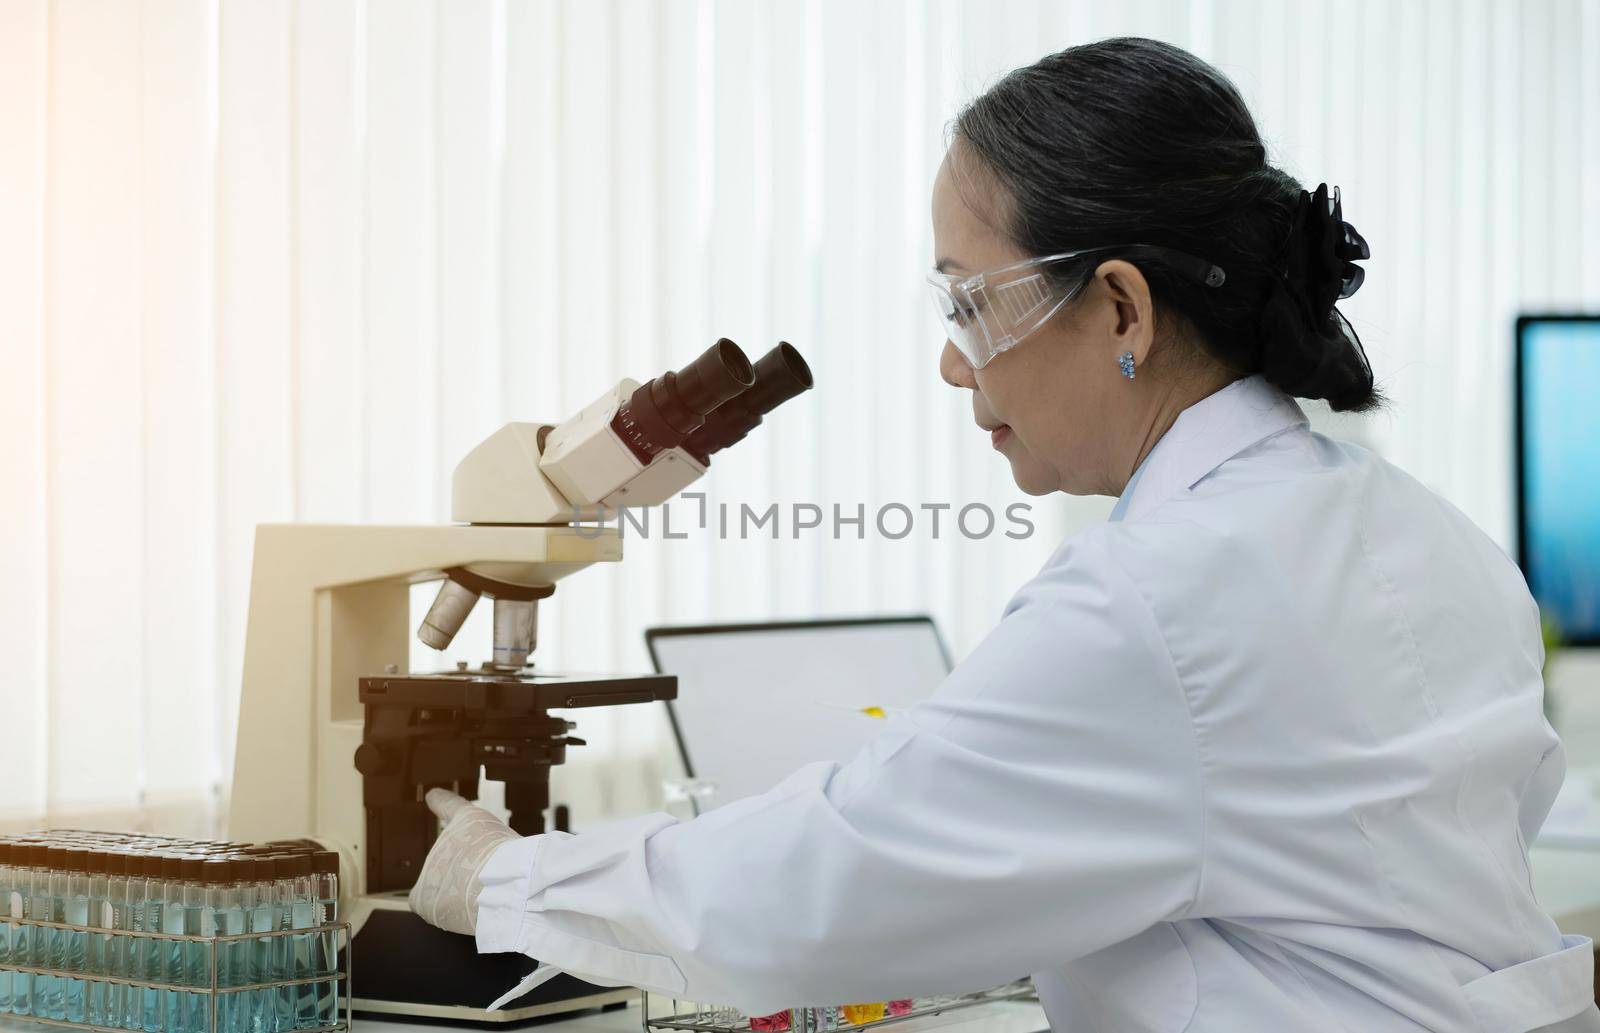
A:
271, 261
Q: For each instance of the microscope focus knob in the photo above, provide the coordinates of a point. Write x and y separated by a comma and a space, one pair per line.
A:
372, 760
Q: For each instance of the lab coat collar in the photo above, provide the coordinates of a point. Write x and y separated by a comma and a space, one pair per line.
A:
1208, 434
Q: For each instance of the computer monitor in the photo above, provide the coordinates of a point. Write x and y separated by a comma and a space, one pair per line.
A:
1558, 470
756, 702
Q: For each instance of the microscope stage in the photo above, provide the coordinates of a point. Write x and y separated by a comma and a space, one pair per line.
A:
422, 731
521, 691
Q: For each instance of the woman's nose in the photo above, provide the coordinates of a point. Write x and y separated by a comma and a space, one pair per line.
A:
954, 369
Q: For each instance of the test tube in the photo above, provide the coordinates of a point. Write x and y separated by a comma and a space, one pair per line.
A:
36, 905
325, 961
300, 1005
49, 896
115, 951
262, 1006
75, 912
164, 914
233, 969
11, 870
279, 1002
95, 943
142, 1008
7, 881
23, 938
170, 967
217, 896
131, 948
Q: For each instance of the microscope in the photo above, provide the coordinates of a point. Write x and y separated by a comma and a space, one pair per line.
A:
339, 741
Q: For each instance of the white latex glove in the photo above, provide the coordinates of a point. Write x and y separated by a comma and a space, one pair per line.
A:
446, 893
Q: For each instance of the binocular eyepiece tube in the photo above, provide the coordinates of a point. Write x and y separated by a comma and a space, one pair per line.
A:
664, 411
780, 375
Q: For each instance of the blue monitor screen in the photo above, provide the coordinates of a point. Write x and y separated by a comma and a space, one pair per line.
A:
1559, 415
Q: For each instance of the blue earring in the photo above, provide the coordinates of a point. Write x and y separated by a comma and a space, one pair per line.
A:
1126, 362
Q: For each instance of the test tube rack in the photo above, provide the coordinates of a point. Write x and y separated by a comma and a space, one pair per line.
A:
699, 1018
213, 992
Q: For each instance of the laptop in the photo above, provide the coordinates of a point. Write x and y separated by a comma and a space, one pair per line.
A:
756, 702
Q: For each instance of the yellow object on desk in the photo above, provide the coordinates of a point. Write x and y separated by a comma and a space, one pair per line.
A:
864, 1012
870, 711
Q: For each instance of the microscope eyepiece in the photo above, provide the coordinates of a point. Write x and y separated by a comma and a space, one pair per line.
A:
718, 374
779, 376
665, 411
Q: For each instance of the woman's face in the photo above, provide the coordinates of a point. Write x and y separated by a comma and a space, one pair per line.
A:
1056, 405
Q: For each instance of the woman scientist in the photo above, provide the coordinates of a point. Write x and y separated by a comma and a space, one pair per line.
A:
1261, 753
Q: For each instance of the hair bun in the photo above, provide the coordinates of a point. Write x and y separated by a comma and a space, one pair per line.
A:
1322, 252
1307, 346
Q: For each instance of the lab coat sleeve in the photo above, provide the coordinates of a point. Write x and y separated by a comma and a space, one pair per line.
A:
1044, 803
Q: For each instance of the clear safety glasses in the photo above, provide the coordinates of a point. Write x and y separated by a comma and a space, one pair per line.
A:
987, 313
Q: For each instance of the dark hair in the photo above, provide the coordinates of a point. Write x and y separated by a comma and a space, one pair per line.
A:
1134, 141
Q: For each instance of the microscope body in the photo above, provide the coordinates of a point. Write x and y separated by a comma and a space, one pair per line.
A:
329, 605
339, 740
336, 742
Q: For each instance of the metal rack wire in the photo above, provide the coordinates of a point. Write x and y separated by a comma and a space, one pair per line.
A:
698, 1018
214, 991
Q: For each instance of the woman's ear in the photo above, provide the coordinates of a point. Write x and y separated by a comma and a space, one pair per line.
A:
1130, 326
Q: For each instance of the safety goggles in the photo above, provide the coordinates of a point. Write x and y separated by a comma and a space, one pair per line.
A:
994, 310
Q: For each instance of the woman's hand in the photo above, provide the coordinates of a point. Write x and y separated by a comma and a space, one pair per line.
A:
446, 893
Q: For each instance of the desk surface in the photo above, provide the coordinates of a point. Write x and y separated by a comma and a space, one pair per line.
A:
1567, 883
1001, 1017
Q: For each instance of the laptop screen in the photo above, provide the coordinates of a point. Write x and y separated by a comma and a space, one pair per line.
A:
756, 702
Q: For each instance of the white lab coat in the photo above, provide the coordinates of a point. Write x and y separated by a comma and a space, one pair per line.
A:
1262, 755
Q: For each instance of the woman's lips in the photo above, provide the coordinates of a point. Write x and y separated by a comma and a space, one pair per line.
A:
999, 435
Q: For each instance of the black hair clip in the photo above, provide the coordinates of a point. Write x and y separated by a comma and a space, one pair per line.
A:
1322, 252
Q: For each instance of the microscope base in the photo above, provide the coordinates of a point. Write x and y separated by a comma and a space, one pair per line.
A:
401, 965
